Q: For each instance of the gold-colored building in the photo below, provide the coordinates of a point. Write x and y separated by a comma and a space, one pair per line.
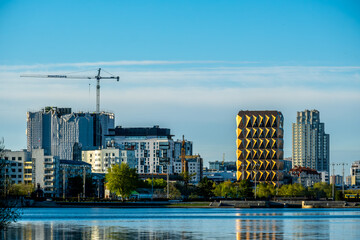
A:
260, 146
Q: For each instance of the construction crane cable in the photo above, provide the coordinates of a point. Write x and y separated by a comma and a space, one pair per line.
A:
107, 72
88, 70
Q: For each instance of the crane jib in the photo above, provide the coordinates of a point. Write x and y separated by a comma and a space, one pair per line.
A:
57, 76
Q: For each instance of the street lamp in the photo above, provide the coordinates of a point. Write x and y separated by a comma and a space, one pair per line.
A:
255, 177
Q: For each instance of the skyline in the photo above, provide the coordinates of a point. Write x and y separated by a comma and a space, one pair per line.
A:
187, 66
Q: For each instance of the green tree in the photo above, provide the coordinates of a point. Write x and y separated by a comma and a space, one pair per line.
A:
322, 190
224, 189
157, 183
243, 189
292, 190
174, 192
122, 180
21, 189
205, 188
264, 190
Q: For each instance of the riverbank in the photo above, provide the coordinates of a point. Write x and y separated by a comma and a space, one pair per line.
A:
215, 204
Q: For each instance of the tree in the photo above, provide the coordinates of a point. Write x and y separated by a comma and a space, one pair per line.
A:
243, 189
157, 183
224, 189
21, 189
9, 212
292, 190
322, 190
122, 180
205, 188
174, 192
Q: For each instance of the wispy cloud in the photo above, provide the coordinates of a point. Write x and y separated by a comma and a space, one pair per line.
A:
316, 77
111, 64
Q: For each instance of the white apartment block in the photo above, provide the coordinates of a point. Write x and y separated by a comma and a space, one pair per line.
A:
194, 166
153, 147
103, 159
45, 172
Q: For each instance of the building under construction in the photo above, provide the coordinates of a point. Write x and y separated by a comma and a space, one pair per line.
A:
64, 134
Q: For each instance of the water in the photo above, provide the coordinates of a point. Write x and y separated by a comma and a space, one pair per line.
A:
185, 223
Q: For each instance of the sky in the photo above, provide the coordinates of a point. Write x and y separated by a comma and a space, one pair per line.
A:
186, 65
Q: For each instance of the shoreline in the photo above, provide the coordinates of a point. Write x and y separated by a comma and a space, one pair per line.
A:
220, 204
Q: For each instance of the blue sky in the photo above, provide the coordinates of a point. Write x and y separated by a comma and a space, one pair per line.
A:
186, 65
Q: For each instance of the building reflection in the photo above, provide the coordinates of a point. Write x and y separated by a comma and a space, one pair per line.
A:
265, 228
64, 231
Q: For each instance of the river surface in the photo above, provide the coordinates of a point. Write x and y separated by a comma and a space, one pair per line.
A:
184, 223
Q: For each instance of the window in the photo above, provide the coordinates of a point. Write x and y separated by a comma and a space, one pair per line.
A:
13, 158
19, 158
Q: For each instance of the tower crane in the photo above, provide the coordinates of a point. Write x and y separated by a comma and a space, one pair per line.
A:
97, 77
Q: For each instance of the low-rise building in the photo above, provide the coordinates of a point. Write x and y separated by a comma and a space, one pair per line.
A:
194, 166
18, 170
102, 159
305, 176
355, 173
70, 169
220, 176
348, 181
324, 176
222, 165
337, 180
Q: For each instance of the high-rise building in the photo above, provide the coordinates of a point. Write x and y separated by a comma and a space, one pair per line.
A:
260, 146
64, 134
310, 142
154, 147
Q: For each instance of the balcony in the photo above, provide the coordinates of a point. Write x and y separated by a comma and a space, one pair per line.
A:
49, 166
49, 173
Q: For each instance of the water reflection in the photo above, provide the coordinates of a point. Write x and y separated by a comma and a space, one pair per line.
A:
64, 231
258, 229
162, 223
